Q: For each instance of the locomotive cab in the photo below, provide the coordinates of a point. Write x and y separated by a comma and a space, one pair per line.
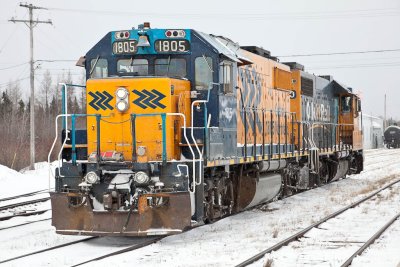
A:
146, 127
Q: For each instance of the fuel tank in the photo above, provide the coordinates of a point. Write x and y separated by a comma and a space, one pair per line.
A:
257, 190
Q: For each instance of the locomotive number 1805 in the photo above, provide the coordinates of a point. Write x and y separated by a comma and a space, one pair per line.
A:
172, 46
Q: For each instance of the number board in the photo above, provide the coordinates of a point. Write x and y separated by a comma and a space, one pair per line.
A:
172, 46
125, 47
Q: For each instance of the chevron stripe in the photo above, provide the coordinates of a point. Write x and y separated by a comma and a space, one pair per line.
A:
101, 100
147, 99
138, 101
160, 97
94, 100
109, 98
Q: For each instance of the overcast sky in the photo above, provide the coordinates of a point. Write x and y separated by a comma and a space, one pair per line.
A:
289, 27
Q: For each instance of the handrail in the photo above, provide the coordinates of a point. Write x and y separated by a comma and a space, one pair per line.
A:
64, 101
65, 141
191, 149
205, 128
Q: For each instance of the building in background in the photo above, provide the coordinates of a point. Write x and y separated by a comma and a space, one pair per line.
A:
372, 131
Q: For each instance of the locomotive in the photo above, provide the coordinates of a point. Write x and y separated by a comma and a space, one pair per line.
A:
184, 127
392, 136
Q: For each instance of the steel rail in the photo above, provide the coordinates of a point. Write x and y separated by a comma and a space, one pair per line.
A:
25, 195
130, 248
23, 214
48, 249
305, 230
133, 247
370, 241
15, 205
22, 224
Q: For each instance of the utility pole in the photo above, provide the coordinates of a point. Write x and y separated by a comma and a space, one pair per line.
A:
31, 24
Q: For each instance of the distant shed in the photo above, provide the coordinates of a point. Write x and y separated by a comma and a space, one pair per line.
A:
372, 131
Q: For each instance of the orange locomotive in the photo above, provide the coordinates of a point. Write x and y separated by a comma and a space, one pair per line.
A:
184, 127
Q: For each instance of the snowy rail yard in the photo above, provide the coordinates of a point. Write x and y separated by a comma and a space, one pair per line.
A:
229, 241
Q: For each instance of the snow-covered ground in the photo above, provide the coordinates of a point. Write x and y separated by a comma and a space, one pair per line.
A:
224, 243
15, 183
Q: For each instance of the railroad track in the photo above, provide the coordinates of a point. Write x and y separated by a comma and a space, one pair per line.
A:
124, 250
142, 242
24, 203
22, 224
316, 225
371, 240
26, 212
48, 249
25, 195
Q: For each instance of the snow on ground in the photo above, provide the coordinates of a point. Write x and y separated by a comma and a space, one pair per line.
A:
337, 239
15, 183
224, 243
234, 239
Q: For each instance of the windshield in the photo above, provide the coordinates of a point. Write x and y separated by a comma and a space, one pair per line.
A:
138, 67
169, 67
172, 67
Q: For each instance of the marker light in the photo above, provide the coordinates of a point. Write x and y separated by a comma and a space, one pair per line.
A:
175, 33
121, 93
122, 106
122, 35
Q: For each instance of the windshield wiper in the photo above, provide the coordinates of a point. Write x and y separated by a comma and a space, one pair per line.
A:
169, 61
94, 66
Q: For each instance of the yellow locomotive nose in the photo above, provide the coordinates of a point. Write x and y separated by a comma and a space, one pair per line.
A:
130, 110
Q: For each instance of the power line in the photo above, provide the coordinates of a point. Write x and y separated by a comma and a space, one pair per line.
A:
344, 53
56, 60
14, 66
8, 39
370, 65
298, 15
17, 80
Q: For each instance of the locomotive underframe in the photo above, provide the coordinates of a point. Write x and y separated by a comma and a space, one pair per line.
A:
226, 190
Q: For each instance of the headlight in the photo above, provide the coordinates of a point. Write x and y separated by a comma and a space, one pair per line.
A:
121, 93
141, 178
92, 178
122, 106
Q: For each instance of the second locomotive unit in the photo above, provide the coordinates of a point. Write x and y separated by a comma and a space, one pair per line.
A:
184, 127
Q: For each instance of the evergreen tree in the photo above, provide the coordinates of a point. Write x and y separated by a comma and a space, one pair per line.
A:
6, 108
21, 108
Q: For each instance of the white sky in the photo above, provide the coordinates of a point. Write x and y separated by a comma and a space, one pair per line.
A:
287, 27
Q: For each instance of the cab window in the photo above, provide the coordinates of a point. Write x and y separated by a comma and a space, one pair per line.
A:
98, 68
171, 67
139, 67
203, 72
346, 104
226, 77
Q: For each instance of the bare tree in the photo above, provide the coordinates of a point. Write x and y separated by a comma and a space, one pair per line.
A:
46, 90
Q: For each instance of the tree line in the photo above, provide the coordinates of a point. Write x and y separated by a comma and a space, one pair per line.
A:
15, 118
